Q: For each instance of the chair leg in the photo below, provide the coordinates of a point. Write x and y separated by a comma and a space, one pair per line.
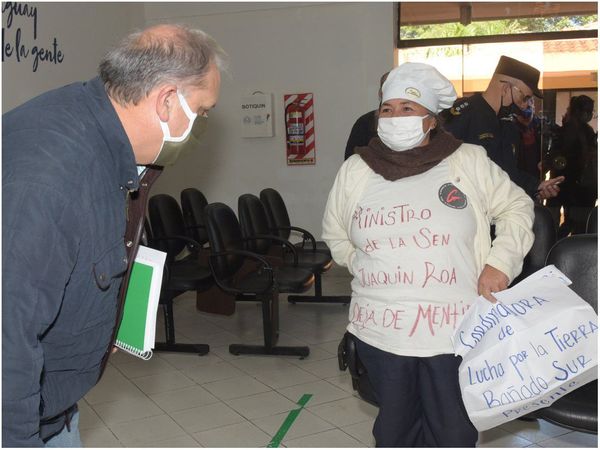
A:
319, 297
170, 345
270, 335
169, 321
270, 310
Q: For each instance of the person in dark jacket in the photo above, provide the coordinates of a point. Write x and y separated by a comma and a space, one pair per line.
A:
577, 148
488, 119
71, 159
365, 127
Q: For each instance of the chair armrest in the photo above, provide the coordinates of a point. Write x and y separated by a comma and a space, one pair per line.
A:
306, 235
191, 242
196, 227
271, 237
266, 266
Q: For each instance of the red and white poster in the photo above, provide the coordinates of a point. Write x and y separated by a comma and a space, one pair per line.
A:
299, 129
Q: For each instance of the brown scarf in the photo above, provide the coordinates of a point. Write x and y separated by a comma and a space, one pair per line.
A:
393, 165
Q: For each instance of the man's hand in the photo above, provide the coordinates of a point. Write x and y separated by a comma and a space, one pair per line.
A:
114, 350
549, 188
491, 280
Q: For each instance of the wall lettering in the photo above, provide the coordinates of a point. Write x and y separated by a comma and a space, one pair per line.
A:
16, 45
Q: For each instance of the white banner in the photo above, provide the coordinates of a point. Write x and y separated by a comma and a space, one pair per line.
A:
536, 344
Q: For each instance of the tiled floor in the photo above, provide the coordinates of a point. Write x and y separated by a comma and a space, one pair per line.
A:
221, 400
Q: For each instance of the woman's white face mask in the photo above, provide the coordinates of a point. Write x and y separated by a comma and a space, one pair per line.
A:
402, 133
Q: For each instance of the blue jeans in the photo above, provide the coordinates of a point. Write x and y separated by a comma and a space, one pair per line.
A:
66, 438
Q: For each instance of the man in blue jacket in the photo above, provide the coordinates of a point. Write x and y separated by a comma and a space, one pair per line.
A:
71, 159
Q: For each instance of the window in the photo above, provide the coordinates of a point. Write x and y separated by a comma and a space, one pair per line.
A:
464, 41
422, 23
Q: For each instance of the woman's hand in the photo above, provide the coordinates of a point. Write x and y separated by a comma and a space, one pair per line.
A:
491, 280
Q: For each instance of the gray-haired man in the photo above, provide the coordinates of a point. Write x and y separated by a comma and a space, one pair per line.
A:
70, 162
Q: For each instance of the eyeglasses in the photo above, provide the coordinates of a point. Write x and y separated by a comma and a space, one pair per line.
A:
526, 98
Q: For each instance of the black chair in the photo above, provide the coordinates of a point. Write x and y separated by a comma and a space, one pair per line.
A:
257, 280
193, 203
187, 274
591, 225
279, 221
279, 224
255, 230
545, 237
213, 300
577, 257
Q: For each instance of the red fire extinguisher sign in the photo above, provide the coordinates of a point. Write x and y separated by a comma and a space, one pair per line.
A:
299, 129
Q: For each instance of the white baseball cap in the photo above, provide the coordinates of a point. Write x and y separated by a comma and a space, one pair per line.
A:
420, 83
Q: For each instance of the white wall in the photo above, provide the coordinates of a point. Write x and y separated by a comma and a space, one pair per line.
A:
83, 32
336, 51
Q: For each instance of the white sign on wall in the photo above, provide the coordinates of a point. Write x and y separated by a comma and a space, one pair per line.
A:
257, 115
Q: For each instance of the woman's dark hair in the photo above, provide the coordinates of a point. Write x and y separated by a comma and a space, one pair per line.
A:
581, 108
439, 125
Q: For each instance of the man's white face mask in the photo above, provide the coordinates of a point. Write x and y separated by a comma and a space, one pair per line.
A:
401, 133
173, 147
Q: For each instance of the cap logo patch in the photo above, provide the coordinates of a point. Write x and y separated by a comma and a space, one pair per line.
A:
413, 91
451, 196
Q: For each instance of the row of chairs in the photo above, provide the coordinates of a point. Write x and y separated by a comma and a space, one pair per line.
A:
250, 259
166, 231
577, 257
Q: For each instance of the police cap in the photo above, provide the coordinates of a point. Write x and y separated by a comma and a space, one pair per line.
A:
521, 71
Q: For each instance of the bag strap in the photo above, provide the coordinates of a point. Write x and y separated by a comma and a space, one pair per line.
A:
137, 201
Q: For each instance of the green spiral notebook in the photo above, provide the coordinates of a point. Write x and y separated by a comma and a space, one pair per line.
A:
137, 330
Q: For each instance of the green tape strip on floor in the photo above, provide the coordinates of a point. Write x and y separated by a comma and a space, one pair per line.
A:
289, 420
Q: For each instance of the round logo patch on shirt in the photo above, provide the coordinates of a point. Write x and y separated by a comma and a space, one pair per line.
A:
451, 196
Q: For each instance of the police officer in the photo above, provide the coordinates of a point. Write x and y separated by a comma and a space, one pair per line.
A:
365, 127
488, 119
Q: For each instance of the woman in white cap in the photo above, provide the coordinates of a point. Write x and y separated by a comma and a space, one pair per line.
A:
410, 215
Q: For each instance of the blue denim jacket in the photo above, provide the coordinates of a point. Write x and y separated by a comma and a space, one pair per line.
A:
67, 166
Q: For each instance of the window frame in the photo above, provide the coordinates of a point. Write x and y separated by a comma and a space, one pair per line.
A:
496, 38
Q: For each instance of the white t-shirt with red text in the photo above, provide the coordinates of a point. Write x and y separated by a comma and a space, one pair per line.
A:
414, 268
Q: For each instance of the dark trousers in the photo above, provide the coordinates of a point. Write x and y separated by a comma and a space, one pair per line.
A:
419, 399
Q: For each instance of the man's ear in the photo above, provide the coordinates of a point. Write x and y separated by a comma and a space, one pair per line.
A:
165, 100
